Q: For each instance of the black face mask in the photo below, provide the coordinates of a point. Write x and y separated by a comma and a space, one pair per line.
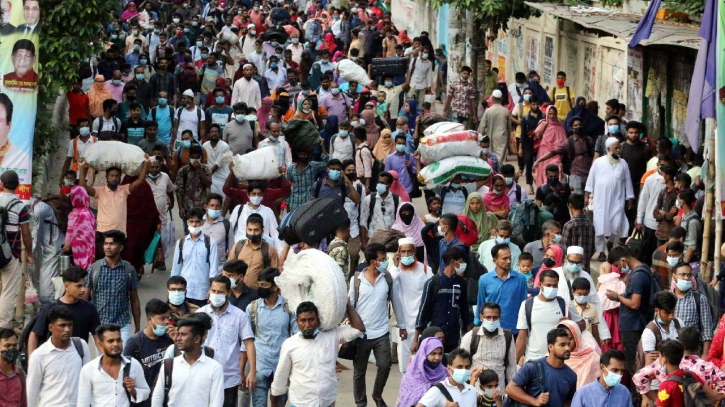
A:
10, 355
351, 176
254, 238
406, 217
303, 159
431, 365
112, 185
264, 292
576, 130
549, 262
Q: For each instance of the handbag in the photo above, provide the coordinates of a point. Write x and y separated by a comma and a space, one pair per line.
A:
148, 255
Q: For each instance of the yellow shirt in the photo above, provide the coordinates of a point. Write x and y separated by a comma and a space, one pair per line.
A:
588, 314
562, 103
520, 110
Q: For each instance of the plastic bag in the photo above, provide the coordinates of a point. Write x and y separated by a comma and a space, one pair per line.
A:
103, 155
351, 71
440, 146
443, 127
148, 255
258, 164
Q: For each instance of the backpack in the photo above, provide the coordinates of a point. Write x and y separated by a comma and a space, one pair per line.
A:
571, 153
639, 360
537, 386
446, 189
114, 120
61, 208
356, 286
254, 314
529, 306
178, 117
188, 79
378, 167
265, 251
207, 243
312, 33
524, 216
713, 301
171, 113
694, 395
336, 136
96, 271
169, 369
509, 338
373, 197
654, 289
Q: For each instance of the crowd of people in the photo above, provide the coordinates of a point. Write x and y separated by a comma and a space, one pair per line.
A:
493, 292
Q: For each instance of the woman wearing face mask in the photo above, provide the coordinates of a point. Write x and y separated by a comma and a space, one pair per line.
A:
496, 200
372, 129
584, 359
424, 372
553, 258
551, 134
485, 221
408, 222
305, 112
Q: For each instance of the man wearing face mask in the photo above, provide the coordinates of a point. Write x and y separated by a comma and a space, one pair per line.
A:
255, 249
241, 295
419, 73
336, 103
195, 258
215, 150
307, 359
504, 229
134, 34
614, 129
540, 314
276, 75
179, 308
215, 226
611, 185
607, 386
517, 88
334, 186
528, 125
505, 286
12, 379
192, 182
456, 385
462, 98
379, 208
562, 96
692, 308
491, 345
240, 133
237, 328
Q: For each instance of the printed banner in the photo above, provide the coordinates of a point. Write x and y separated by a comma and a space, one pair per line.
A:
19, 28
720, 110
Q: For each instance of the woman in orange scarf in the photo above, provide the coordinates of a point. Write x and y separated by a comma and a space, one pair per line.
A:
305, 112
385, 146
553, 258
97, 94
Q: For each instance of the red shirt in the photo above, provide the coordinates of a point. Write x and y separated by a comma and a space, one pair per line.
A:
11, 390
671, 393
78, 107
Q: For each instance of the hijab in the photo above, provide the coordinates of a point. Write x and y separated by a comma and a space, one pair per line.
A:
403, 37
373, 131
329, 41
128, 13
494, 202
397, 188
539, 92
263, 113
299, 114
419, 377
412, 115
414, 228
558, 261
385, 146
584, 359
484, 220
81, 228
99, 92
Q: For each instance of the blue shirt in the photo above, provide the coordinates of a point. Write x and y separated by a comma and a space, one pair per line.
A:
508, 293
273, 326
409, 141
163, 120
443, 246
132, 58
595, 395
560, 382
194, 268
396, 162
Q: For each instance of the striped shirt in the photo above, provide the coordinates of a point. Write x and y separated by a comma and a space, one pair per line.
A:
18, 214
579, 231
491, 354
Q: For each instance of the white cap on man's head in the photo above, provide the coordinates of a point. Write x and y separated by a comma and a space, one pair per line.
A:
497, 94
575, 250
189, 93
406, 240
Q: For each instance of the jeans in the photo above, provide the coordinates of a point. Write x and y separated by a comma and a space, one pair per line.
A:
230, 397
125, 333
630, 340
261, 392
383, 354
10, 279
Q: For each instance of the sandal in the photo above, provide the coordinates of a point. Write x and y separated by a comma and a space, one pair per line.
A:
602, 257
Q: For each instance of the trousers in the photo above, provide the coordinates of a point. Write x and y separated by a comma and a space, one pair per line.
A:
380, 347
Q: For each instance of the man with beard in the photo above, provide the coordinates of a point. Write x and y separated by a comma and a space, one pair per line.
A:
111, 379
246, 89
312, 354
559, 379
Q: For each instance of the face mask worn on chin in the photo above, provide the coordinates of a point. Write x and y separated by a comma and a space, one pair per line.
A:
154, 176
177, 297
497, 192
310, 334
159, 330
549, 292
217, 300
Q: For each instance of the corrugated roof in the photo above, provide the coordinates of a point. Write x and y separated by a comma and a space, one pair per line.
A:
623, 25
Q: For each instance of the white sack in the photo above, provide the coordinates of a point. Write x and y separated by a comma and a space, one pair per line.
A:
443, 127
351, 71
437, 147
262, 163
103, 155
441, 172
314, 276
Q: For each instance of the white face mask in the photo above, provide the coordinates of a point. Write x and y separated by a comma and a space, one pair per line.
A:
217, 300
255, 200
194, 230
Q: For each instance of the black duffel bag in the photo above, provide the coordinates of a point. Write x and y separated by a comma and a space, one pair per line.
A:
313, 221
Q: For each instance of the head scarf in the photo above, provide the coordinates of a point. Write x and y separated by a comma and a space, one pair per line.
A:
98, 92
430, 332
413, 113
299, 114
128, 13
81, 228
263, 113
373, 130
484, 220
414, 229
419, 377
584, 359
329, 41
578, 111
494, 202
558, 261
315, 78
384, 146
403, 37
338, 56
539, 92
397, 188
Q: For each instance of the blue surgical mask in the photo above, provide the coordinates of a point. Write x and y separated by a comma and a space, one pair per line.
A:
143, 61
199, 44
295, 40
573, 268
527, 97
233, 283
672, 261
497, 192
485, 151
84, 131
185, 143
116, 82
612, 379
177, 297
335, 91
455, 185
407, 260
581, 299
400, 148
491, 326
683, 285
362, 122
153, 176
460, 375
509, 181
186, 29
501, 240
219, 99
549, 292
440, 230
383, 267
381, 188
613, 128
139, 77
160, 330
343, 133
334, 174
137, 48
214, 213
388, 84
273, 65
114, 36
239, 118
661, 321
204, 56
625, 269
557, 238
162, 101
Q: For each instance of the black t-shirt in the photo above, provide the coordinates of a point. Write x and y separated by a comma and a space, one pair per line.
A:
85, 320
241, 302
563, 191
636, 156
150, 353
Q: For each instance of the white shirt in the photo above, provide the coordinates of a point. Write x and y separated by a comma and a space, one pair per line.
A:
372, 304
214, 157
275, 79
194, 268
545, 316
309, 366
240, 221
226, 336
81, 145
514, 91
649, 342
283, 149
342, 148
353, 209
379, 220
419, 76
247, 91
188, 120
258, 59
53, 375
248, 46
200, 384
161, 187
434, 398
296, 52
97, 388
647, 202
408, 288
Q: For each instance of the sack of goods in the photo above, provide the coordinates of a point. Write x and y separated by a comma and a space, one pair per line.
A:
388, 238
258, 164
351, 71
313, 221
314, 276
443, 127
103, 155
301, 135
444, 145
441, 172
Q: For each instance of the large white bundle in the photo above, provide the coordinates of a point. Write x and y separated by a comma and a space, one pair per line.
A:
262, 163
443, 127
103, 155
314, 276
441, 172
437, 147
351, 71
